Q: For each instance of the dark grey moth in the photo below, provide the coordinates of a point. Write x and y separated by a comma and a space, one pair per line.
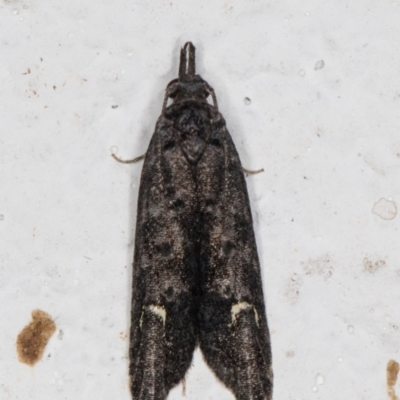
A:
196, 273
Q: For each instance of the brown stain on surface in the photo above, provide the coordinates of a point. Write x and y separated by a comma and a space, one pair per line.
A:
392, 371
33, 339
321, 266
373, 265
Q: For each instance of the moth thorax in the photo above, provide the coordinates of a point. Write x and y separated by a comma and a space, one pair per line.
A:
194, 130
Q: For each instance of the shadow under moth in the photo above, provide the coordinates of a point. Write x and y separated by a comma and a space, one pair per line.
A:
196, 272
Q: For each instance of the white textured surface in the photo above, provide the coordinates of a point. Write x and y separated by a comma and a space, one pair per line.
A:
323, 83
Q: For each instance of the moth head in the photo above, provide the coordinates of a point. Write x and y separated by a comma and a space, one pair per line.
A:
189, 86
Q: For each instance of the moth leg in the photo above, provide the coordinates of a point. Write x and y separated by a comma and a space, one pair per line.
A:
210, 91
128, 161
168, 93
248, 172
235, 346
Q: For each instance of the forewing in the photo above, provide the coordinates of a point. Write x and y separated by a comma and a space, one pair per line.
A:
163, 334
234, 335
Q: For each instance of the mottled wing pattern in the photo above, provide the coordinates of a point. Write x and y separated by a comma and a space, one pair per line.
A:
163, 331
234, 335
196, 273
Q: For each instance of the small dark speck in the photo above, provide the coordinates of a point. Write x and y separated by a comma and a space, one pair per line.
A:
54, 87
247, 101
170, 291
319, 65
304, 177
115, 106
41, 59
27, 72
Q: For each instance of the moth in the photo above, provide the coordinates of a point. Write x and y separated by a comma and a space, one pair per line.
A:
196, 272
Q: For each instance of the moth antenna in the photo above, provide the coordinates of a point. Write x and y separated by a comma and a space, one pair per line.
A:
187, 66
192, 63
182, 65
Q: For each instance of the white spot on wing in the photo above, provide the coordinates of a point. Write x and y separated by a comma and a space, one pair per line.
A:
158, 310
243, 305
256, 315
141, 320
236, 308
